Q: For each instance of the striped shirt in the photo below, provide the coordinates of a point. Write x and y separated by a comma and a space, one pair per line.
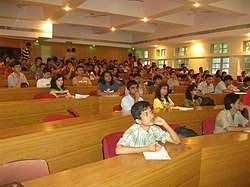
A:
136, 136
26, 53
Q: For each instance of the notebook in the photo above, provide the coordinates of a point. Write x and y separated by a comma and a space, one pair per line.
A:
160, 155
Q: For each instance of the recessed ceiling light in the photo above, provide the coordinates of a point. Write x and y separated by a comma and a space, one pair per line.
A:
145, 19
67, 8
113, 29
155, 45
196, 5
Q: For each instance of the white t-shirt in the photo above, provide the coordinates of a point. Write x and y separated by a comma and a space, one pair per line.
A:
128, 102
43, 83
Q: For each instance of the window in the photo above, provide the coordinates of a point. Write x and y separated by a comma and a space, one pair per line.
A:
145, 54
163, 52
247, 64
220, 63
246, 46
219, 48
162, 62
182, 61
181, 51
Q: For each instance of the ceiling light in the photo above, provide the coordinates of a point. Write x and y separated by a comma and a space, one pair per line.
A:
193, 41
67, 8
248, 34
155, 45
145, 19
113, 29
196, 5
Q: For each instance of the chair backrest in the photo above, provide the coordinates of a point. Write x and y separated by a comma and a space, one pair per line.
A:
43, 95
117, 108
56, 117
109, 144
246, 99
23, 170
93, 93
208, 126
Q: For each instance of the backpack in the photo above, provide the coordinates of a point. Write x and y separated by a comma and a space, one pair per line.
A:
185, 132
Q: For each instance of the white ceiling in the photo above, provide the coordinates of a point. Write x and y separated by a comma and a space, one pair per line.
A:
89, 21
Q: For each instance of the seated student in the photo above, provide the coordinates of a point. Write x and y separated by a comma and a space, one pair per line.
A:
192, 96
45, 81
245, 87
243, 76
17, 78
226, 86
162, 100
230, 119
207, 86
106, 84
81, 78
156, 82
173, 81
133, 96
144, 134
57, 87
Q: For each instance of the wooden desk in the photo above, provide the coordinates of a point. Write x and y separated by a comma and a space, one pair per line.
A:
199, 161
131, 170
70, 143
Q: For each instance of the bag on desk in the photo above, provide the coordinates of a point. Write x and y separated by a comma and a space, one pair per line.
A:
207, 101
185, 132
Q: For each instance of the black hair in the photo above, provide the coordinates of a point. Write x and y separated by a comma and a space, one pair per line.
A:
246, 79
243, 72
79, 67
157, 77
68, 61
138, 108
49, 59
230, 99
68, 50
15, 63
158, 91
28, 44
130, 83
46, 69
137, 75
208, 76
73, 50
102, 77
53, 82
228, 77
189, 89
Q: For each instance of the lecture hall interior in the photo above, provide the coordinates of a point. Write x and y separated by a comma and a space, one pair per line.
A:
124, 93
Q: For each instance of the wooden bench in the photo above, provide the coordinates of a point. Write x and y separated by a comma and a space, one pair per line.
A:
67, 144
200, 161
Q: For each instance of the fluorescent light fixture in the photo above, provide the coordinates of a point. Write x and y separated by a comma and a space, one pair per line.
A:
196, 5
67, 8
113, 29
145, 19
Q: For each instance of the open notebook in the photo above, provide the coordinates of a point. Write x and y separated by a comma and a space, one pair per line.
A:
160, 155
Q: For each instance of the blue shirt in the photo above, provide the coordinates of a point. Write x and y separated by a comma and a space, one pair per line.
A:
107, 88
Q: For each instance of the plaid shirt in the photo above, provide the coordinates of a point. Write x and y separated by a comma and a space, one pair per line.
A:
136, 136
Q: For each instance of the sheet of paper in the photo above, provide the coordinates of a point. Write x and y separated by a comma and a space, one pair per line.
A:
241, 93
79, 96
182, 108
160, 155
